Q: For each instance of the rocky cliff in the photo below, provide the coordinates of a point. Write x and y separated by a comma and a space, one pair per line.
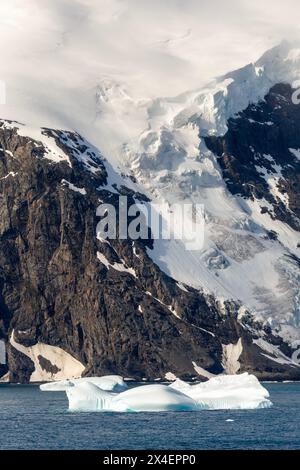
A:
105, 306
259, 154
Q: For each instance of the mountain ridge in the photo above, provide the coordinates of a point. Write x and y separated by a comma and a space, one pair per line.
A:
59, 287
195, 148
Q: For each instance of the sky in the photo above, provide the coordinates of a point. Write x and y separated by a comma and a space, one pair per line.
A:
54, 52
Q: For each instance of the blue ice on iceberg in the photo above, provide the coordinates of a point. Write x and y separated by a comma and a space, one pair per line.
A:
110, 393
153, 398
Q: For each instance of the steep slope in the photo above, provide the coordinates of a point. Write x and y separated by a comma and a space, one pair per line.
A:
248, 255
72, 304
151, 308
259, 154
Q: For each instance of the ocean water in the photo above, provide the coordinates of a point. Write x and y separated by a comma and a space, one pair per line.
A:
31, 419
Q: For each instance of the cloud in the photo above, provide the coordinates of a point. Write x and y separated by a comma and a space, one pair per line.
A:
54, 52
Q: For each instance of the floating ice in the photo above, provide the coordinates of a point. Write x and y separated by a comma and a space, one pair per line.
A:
153, 398
109, 383
86, 396
227, 392
102, 394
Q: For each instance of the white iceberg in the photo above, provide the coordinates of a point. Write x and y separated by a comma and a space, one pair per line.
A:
109, 394
153, 398
87, 395
110, 383
227, 392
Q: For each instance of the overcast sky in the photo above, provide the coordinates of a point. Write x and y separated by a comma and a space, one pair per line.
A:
155, 47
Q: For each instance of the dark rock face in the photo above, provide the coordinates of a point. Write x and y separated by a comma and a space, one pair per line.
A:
3, 370
47, 365
54, 290
257, 147
20, 366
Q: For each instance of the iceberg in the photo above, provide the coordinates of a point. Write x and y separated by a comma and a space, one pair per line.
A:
227, 392
110, 393
86, 395
109, 383
153, 398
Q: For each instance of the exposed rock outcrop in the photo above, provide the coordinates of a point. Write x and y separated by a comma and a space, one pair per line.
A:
260, 157
136, 322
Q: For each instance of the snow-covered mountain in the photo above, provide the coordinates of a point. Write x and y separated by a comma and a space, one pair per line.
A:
232, 146
170, 159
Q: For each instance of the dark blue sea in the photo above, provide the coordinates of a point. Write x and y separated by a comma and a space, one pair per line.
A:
31, 419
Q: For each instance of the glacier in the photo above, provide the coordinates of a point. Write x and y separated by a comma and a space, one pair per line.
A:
161, 153
110, 393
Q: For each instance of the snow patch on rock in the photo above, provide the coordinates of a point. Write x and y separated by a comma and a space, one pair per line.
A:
231, 355
273, 353
121, 267
202, 372
67, 366
73, 187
